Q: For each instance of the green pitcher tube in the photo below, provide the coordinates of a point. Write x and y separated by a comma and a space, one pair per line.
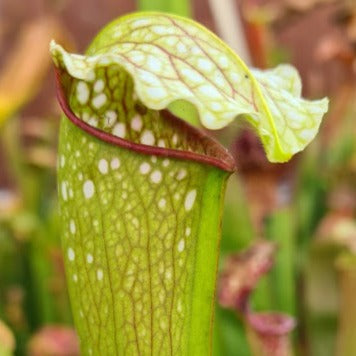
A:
141, 201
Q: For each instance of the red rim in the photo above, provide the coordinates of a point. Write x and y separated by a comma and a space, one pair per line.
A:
223, 160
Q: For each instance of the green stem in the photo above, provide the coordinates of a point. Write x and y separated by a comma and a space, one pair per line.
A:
280, 229
178, 7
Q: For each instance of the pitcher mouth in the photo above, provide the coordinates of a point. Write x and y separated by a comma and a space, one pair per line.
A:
214, 153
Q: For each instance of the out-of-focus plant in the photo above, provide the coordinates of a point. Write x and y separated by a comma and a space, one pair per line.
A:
19, 83
268, 332
54, 340
7, 340
32, 289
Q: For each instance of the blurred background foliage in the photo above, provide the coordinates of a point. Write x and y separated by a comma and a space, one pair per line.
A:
305, 209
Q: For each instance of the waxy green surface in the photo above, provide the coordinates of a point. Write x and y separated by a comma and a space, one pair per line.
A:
141, 237
141, 193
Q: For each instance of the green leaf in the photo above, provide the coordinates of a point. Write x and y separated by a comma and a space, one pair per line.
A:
172, 58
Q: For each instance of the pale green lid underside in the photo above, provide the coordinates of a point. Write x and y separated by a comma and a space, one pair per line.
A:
172, 58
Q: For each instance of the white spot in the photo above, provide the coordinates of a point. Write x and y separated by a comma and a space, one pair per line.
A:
210, 119
236, 77
145, 168
71, 254
77, 153
80, 176
72, 227
181, 47
62, 161
223, 61
147, 138
154, 64
93, 121
117, 33
136, 123
99, 274
307, 134
135, 222
192, 75
163, 325
82, 92
162, 203
168, 274
90, 258
71, 193
190, 199
64, 190
156, 176
99, 86
85, 117
88, 189
188, 230
216, 106
160, 30
171, 41
175, 139
209, 91
75, 278
103, 166
115, 163
119, 130
195, 49
110, 118
219, 79
181, 245
153, 159
99, 100
161, 143
204, 64
181, 174
141, 22
165, 162
137, 57
156, 93
151, 80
